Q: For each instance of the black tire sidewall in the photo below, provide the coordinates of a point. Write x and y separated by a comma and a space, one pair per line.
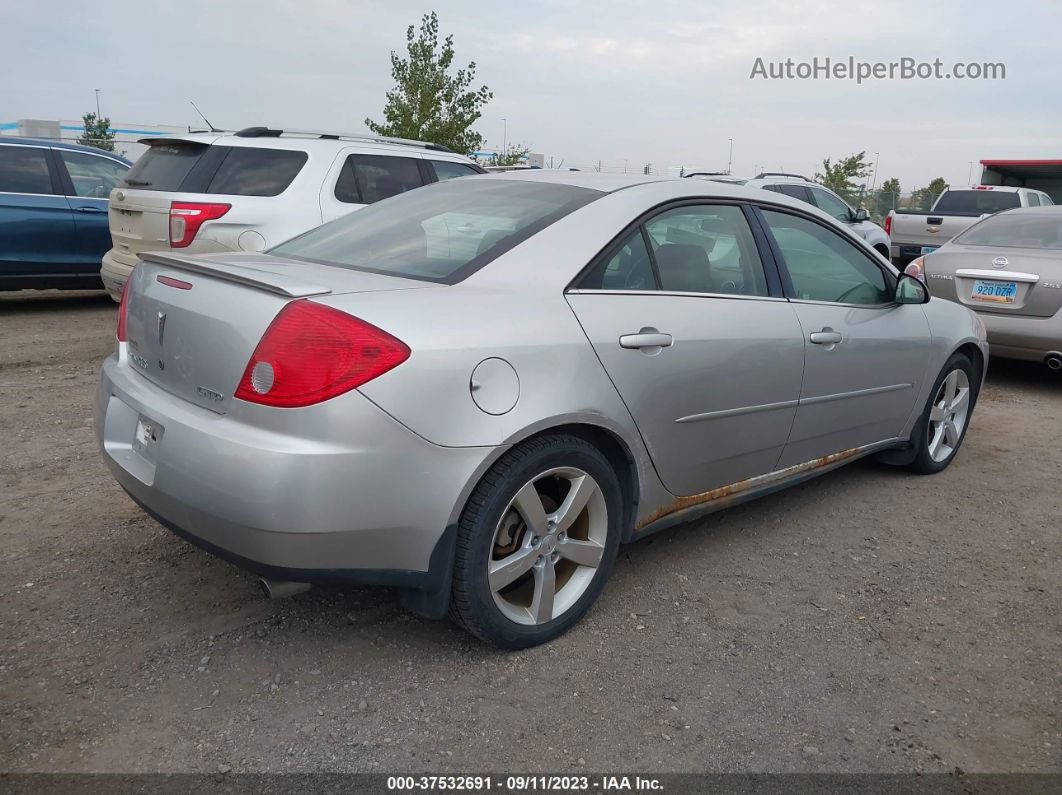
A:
923, 461
482, 615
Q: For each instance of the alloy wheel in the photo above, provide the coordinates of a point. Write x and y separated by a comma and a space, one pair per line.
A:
948, 415
547, 546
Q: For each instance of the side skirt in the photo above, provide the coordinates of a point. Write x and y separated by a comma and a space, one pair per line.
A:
687, 509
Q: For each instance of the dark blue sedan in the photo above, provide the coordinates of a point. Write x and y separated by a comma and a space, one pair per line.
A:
53, 213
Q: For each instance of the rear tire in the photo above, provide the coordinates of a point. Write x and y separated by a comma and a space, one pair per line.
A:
536, 542
939, 432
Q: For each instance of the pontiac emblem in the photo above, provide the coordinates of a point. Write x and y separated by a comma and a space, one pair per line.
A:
1000, 262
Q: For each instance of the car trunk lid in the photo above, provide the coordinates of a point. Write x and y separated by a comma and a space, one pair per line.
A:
193, 322
1008, 281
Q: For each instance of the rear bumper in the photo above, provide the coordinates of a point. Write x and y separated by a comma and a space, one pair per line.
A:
1028, 338
352, 497
114, 274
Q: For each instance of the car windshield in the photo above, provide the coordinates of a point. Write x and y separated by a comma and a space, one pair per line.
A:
976, 202
1018, 230
441, 233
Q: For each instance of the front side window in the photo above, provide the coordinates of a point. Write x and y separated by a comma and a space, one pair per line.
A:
93, 176
445, 170
1034, 200
831, 205
24, 169
443, 232
706, 249
254, 171
365, 179
1046, 200
823, 266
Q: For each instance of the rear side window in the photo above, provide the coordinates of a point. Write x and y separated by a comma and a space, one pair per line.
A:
248, 171
976, 202
445, 170
24, 169
93, 176
164, 166
796, 191
369, 178
1034, 200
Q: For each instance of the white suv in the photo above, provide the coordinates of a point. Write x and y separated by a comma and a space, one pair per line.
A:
253, 189
825, 199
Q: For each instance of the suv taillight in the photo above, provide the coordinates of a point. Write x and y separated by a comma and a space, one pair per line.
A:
888, 224
187, 217
123, 309
311, 353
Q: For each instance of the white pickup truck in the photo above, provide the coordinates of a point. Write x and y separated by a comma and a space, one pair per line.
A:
916, 232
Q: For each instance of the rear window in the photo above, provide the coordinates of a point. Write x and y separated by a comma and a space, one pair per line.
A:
976, 202
440, 233
247, 171
164, 166
1017, 230
191, 167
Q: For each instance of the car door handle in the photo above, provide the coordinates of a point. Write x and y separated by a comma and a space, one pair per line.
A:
825, 337
646, 339
90, 210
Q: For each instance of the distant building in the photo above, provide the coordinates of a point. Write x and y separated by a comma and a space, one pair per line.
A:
126, 135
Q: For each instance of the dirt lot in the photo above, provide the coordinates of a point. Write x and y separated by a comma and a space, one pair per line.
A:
866, 621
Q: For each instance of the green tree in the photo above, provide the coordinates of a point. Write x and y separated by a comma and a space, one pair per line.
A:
512, 156
841, 176
923, 198
97, 132
887, 196
429, 103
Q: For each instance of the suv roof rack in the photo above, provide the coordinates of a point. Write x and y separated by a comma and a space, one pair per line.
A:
268, 132
707, 174
763, 174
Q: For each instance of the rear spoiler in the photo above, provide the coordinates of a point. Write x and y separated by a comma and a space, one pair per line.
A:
205, 138
260, 278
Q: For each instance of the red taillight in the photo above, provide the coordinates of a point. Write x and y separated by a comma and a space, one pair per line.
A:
123, 309
187, 217
311, 353
888, 224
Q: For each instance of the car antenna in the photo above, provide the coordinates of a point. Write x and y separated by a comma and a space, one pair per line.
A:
211, 126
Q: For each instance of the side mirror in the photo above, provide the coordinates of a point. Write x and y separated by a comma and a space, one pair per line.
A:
861, 215
910, 290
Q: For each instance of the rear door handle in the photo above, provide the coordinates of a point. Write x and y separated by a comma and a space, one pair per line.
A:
646, 338
90, 210
825, 337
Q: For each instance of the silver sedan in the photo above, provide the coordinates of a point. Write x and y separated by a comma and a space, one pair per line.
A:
478, 390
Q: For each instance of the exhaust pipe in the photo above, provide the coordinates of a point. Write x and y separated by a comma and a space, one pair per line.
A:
281, 589
1054, 360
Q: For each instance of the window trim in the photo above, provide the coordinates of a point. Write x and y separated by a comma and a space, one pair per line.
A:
767, 262
67, 182
787, 281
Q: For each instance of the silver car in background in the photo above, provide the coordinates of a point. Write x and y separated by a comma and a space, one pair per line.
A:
1008, 269
476, 391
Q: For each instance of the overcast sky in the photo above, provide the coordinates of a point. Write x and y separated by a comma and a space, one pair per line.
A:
662, 82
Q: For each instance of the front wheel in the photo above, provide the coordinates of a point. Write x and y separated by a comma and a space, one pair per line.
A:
536, 542
940, 431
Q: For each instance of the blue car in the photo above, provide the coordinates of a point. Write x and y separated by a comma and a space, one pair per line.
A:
53, 213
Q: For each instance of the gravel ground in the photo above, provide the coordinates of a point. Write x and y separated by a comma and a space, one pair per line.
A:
868, 620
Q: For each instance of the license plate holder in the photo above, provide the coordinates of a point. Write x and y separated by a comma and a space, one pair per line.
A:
147, 438
126, 222
994, 292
